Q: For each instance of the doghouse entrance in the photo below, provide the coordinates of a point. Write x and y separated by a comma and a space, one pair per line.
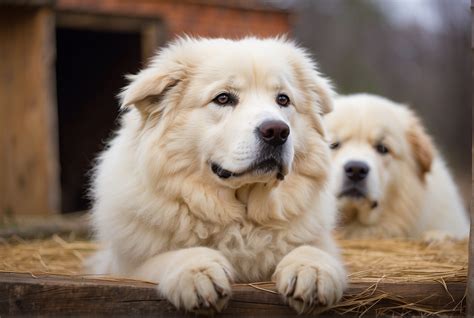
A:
90, 69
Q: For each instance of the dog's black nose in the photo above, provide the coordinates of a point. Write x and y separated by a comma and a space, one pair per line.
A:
274, 132
356, 170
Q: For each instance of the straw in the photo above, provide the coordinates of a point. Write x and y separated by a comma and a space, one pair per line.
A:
367, 261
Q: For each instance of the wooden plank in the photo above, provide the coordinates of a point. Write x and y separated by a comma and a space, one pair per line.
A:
470, 285
24, 294
472, 25
32, 3
152, 36
29, 172
470, 279
104, 22
181, 16
38, 226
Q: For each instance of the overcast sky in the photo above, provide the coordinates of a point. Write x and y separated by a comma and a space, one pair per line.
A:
401, 12
421, 12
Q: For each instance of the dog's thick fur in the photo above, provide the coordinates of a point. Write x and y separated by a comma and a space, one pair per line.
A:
162, 214
408, 191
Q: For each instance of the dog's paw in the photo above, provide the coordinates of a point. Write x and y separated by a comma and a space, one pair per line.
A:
307, 283
199, 287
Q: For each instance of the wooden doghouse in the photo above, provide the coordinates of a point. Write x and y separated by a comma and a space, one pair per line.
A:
62, 64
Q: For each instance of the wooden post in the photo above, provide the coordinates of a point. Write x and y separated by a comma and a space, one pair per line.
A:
470, 278
152, 35
29, 172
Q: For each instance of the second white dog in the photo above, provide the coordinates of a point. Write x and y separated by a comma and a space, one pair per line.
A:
389, 178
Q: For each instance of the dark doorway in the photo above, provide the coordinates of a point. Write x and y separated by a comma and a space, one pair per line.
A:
90, 69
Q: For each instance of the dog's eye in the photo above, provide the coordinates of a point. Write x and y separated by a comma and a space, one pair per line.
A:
335, 145
283, 100
224, 99
381, 149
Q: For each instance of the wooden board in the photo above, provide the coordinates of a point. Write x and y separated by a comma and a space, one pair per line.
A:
470, 286
470, 279
25, 294
32, 3
29, 172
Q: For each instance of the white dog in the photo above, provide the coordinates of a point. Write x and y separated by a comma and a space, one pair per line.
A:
218, 173
389, 178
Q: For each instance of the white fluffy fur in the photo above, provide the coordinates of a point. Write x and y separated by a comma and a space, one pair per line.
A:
415, 192
160, 213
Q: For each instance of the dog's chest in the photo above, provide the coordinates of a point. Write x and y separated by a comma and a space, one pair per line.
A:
253, 251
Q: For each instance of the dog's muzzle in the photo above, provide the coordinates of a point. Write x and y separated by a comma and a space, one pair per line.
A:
259, 167
272, 136
354, 182
354, 185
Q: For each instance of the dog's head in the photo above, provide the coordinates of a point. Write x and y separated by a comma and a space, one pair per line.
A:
375, 145
237, 112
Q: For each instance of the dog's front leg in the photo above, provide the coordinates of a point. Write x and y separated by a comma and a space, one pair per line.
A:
193, 279
308, 277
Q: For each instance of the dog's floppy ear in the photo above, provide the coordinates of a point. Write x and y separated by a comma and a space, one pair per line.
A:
318, 86
421, 146
325, 92
147, 88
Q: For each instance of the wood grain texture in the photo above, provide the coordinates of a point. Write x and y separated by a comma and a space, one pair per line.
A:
33, 3
29, 181
215, 18
470, 278
24, 294
102, 22
152, 36
470, 275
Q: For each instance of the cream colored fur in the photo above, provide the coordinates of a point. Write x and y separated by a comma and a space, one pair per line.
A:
416, 195
162, 215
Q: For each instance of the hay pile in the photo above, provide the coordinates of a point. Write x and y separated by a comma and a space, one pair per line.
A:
402, 261
58, 255
367, 260
405, 261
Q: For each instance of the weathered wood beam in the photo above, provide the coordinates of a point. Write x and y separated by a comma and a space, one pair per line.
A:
29, 164
102, 22
25, 294
470, 279
152, 36
38, 226
31, 3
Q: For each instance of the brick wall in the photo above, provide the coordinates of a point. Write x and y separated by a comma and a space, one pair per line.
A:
201, 18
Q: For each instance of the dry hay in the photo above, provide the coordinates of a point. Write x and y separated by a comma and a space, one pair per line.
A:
58, 255
368, 261
405, 261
